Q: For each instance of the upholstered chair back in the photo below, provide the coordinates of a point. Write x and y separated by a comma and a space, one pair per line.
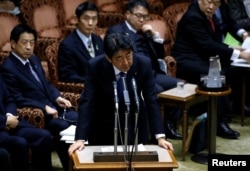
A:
7, 22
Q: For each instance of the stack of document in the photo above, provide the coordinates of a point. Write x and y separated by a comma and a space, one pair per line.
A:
68, 135
242, 62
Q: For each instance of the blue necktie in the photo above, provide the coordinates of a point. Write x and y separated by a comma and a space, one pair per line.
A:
34, 74
120, 86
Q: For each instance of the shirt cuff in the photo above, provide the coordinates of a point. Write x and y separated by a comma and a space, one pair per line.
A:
9, 114
157, 38
160, 136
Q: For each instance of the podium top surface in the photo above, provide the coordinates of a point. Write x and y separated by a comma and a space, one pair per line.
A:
86, 155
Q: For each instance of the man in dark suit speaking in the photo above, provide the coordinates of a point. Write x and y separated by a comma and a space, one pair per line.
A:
96, 107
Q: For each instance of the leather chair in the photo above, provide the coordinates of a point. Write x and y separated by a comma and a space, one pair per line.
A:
115, 6
52, 55
158, 23
167, 3
47, 18
173, 14
7, 22
107, 19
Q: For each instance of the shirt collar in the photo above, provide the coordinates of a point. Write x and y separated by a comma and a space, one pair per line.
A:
83, 38
130, 27
19, 58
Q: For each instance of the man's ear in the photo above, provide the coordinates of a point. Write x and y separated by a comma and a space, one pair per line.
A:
12, 44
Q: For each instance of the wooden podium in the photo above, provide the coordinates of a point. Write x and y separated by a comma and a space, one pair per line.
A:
83, 160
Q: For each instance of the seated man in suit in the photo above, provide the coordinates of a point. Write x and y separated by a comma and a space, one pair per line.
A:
25, 79
198, 39
17, 136
80, 46
95, 123
148, 42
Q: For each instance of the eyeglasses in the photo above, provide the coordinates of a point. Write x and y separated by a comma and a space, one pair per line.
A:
140, 16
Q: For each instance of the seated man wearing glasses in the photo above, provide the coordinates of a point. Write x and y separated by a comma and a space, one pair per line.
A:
148, 42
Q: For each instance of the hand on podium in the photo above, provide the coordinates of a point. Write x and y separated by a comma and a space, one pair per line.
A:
162, 142
78, 145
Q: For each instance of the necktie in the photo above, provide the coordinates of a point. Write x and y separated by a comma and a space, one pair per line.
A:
120, 86
211, 23
90, 48
34, 74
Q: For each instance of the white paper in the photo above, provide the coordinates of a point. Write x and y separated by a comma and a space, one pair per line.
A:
246, 44
240, 60
69, 131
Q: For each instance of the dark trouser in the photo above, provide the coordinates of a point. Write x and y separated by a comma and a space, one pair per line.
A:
55, 126
5, 162
20, 140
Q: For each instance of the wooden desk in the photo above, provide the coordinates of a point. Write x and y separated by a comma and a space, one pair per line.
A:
183, 100
83, 160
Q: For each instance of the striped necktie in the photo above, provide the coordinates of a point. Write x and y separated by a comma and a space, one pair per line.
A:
90, 48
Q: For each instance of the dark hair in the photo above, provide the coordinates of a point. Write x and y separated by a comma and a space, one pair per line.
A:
20, 29
115, 42
133, 3
85, 6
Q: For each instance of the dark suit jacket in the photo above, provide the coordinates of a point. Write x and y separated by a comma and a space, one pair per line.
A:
239, 14
96, 107
196, 42
73, 57
227, 24
26, 90
7, 105
155, 50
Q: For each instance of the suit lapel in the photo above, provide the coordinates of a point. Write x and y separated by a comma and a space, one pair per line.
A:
23, 70
81, 47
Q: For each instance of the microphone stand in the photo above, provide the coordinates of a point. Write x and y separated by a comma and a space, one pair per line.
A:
136, 113
116, 116
127, 103
120, 157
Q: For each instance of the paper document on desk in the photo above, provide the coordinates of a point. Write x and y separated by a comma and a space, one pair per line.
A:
69, 131
246, 45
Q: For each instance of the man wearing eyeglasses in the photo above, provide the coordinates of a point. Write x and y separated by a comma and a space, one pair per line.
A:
148, 42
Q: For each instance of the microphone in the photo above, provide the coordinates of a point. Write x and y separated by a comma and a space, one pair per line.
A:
135, 92
125, 91
115, 94
116, 115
